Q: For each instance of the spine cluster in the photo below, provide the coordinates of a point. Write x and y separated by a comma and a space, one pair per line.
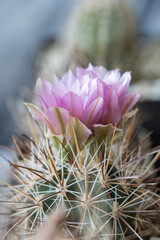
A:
104, 190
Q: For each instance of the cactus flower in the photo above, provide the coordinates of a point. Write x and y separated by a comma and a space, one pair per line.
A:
91, 99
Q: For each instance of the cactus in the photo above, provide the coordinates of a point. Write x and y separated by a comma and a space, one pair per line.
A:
106, 32
107, 190
84, 160
57, 58
102, 32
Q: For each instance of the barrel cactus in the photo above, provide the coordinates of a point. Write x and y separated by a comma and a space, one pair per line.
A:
57, 58
106, 32
83, 161
101, 32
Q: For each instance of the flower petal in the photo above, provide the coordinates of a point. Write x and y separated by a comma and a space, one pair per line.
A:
100, 70
58, 118
112, 77
106, 97
45, 94
95, 90
114, 111
68, 79
93, 112
128, 101
73, 104
80, 72
43, 87
59, 87
78, 129
102, 132
123, 84
37, 114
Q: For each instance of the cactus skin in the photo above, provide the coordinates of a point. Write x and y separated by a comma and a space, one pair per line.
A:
105, 31
107, 191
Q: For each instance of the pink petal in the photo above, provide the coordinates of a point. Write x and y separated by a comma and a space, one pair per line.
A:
95, 90
114, 111
73, 104
58, 118
68, 79
100, 70
123, 84
91, 67
128, 101
93, 112
45, 94
76, 87
112, 77
80, 72
85, 84
43, 87
37, 114
59, 87
106, 97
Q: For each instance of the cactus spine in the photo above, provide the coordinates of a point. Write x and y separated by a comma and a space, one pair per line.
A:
106, 191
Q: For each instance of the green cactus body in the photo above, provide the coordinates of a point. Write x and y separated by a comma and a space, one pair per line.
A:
102, 190
105, 31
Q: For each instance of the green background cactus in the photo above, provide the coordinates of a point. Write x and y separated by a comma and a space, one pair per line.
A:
57, 58
102, 32
106, 32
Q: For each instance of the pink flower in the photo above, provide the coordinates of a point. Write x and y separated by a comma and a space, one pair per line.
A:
92, 98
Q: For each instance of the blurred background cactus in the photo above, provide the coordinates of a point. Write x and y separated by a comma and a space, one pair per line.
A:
56, 58
106, 32
102, 32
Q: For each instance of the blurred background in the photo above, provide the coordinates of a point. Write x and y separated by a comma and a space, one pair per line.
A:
40, 38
